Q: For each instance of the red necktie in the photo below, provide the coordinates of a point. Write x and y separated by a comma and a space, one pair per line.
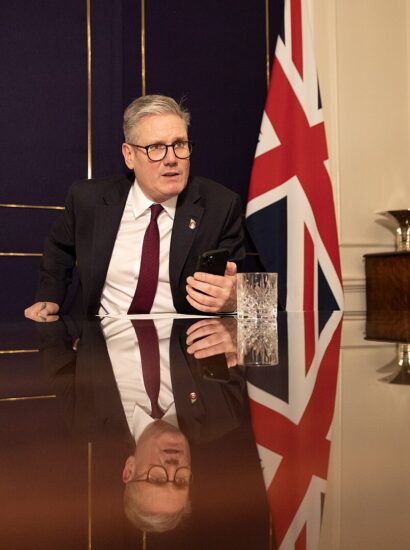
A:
148, 276
150, 361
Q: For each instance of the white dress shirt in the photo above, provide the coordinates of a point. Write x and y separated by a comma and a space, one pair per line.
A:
124, 352
123, 271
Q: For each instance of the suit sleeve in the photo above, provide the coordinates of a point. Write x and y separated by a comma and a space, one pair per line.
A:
232, 235
59, 257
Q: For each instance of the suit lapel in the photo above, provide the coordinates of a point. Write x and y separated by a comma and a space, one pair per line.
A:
190, 411
186, 223
108, 214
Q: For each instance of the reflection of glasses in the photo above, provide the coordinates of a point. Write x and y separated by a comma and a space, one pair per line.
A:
158, 151
157, 475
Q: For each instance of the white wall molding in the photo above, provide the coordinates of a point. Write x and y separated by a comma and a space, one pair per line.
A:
354, 294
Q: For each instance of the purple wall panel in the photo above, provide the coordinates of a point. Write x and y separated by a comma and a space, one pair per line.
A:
212, 53
43, 98
24, 229
19, 276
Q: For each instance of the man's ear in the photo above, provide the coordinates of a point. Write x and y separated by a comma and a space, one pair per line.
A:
128, 472
128, 155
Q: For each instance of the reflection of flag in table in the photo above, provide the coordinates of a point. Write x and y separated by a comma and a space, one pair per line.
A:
290, 211
292, 408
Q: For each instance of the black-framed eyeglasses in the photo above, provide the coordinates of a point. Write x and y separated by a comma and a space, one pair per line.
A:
158, 151
158, 475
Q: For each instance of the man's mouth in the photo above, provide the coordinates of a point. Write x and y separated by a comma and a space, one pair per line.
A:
171, 174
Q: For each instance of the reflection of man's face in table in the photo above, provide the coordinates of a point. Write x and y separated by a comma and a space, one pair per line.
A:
164, 445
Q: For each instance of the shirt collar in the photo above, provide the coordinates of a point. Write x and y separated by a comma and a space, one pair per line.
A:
140, 203
141, 420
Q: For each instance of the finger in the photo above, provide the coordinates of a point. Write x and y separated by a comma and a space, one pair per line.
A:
28, 314
47, 312
200, 297
199, 334
198, 345
201, 307
209, 278
52, 308
43, 318
31, 313
206, 343
44, 310
200, 324
52, 318
41, 310
231, 359
231, 269
215, 349
204, 304
206, 329
208, 352
209, 294
204, 288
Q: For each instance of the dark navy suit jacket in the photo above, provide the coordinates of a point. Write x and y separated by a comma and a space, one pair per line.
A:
84, 236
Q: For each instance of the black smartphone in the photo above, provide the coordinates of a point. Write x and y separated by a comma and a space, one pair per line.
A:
213, 261
214, 368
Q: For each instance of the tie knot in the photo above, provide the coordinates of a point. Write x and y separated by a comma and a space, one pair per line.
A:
156, 210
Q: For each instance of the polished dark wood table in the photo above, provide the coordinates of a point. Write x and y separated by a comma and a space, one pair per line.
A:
267, 443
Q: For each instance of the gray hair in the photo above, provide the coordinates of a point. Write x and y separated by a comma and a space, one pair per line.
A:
151, 105
149, 521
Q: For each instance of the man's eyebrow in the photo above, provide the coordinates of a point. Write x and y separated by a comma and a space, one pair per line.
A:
162, 142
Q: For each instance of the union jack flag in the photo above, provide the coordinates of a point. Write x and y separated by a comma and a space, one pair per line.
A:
290, 211
292, 405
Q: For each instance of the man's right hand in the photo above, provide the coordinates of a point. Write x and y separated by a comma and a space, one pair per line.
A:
42, 312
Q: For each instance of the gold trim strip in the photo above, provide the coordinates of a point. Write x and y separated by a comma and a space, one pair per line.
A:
89, 492
143, 69
40, 207
21, 253
267, 43
10, 351
89, 104
27, 398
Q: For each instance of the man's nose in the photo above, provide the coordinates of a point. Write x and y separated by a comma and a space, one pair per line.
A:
171, 468
170, 157
172, 461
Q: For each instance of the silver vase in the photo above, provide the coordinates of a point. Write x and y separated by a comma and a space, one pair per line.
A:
401, 221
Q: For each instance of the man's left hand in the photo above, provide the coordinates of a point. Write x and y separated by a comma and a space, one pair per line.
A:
210, 337
213, 293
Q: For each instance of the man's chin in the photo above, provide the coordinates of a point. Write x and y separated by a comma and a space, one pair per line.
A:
172, 187
159, 427
165, 437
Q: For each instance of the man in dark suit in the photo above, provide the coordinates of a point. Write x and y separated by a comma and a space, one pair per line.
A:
104, 225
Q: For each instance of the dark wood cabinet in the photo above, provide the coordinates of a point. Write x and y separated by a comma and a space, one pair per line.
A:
388, 281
